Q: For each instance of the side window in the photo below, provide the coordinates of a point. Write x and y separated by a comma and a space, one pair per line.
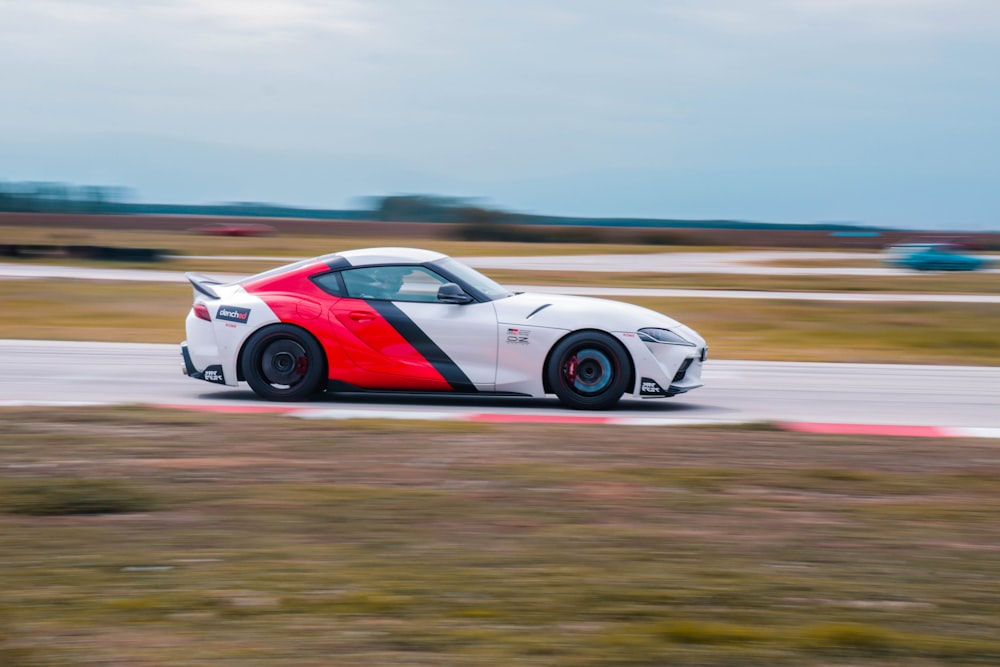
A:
330, 283
420, 284
398, 283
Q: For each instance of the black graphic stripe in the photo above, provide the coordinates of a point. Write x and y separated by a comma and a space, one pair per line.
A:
335, 263
427, 348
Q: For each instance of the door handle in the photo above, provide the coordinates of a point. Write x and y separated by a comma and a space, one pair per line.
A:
361, 316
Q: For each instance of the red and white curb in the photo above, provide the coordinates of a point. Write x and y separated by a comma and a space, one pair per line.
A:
571, 418
428, 415
582, 418
335, 414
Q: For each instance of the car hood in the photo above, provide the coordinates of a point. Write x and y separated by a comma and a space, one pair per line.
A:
559, 311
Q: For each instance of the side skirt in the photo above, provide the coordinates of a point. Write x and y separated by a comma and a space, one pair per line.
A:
339, 387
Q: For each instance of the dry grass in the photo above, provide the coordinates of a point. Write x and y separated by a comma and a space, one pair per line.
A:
935, 333
751, 329
302, 245
275, 542
735, 328
94, 310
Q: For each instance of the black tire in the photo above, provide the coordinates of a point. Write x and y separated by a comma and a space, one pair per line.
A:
588, 370
283, 363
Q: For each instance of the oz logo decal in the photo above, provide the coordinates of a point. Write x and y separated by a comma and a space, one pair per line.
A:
517, 336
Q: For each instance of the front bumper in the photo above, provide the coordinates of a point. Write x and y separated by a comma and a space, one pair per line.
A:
663, 370
688, 377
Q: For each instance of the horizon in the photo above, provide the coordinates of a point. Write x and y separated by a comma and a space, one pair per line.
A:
20, 197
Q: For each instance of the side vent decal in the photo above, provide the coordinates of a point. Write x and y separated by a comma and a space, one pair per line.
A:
537, 310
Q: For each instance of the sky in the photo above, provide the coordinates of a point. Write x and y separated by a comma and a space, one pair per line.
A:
875, 112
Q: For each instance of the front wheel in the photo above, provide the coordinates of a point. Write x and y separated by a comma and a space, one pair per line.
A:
588, 370
283, 363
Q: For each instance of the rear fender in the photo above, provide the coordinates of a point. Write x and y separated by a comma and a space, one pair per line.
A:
235, 316
238, 373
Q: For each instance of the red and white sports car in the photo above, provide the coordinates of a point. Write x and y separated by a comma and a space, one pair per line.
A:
401, 319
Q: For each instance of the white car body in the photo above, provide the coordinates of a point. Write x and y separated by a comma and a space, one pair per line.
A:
446, 329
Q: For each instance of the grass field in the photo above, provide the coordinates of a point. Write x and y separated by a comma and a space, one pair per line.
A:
918, 283
138, 537
735, 328
187, 246
758, 329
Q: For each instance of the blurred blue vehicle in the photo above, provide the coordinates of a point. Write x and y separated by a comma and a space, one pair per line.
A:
932, 257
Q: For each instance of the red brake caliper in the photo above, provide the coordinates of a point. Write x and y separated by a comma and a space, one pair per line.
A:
571, 370
301, 364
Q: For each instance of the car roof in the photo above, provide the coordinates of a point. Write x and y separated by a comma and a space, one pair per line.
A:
386, 255
347, 258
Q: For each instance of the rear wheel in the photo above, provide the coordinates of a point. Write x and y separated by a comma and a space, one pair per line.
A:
588, 370
283, 363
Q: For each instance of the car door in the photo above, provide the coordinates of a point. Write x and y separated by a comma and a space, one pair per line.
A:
394, 328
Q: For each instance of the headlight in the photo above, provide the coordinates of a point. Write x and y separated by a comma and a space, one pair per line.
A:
651, 335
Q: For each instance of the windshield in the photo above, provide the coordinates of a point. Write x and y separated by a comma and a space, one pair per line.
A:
473, 279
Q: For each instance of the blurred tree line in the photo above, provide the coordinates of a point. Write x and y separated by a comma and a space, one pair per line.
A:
434, 208
472, 220
49, 197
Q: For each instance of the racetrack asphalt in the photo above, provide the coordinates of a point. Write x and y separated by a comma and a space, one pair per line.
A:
884, 399
887, 399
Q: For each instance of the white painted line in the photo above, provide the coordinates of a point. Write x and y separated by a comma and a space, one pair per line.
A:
34, 271
338, 414
14, 403
970, 432
668, 421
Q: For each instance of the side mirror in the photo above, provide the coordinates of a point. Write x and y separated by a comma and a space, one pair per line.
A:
452, 293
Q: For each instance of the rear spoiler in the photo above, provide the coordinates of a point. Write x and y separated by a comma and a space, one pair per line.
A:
203, 284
